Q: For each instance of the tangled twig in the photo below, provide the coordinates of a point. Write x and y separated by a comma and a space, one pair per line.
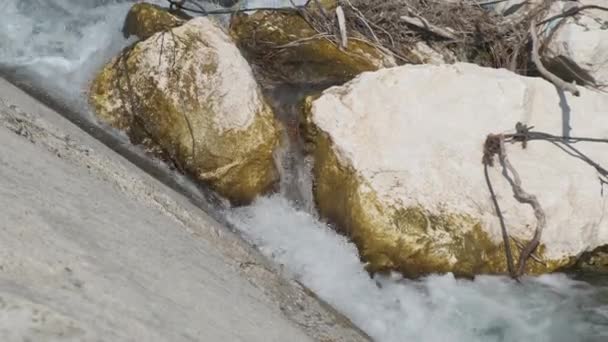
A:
495, 146
524, 197
572, 11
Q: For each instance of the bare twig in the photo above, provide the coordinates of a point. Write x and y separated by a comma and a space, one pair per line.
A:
572, 11
363, 20
302, 41
533, 256
342, 26
494, 145
319, 7
490, 2
491, 139
383, 49
558, 82
422, 23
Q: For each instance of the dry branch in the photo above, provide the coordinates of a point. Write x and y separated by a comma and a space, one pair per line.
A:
495, 145
522, 196
422, 23
558, 82
492, 142
572, 11
533, 256
365, 22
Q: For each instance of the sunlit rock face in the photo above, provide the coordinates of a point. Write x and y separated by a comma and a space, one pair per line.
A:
288, 49
398, 168
144, 20
189, 95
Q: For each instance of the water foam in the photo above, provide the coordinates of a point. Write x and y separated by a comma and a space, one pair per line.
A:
61, 43
437, 308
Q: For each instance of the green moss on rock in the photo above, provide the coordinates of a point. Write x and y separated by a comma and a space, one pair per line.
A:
179, 118
285, 46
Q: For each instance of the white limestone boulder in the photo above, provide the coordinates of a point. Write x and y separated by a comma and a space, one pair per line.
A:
189, 95
398, 168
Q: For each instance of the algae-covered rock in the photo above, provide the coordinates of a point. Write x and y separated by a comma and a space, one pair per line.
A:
398, 168
190, 94
144, 20
288, 49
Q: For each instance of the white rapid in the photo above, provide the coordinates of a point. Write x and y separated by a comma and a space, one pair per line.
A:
437, 308
57, 45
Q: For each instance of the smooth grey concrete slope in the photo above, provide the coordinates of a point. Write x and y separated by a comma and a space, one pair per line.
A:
94, 249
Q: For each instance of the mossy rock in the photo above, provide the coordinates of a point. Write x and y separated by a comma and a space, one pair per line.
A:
190, 95
398, 168
144, 20
286, 48
411, 240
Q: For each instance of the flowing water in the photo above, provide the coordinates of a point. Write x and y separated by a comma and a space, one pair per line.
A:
56, 46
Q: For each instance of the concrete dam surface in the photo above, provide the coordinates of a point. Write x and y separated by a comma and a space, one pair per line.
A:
93, 248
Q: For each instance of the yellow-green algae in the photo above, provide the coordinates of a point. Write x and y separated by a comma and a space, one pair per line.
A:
407, 239
238, 164
287, 48
144, 20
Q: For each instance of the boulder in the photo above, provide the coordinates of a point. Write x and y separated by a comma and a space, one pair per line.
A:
577, 46
398, 168
191, 96
287, 49
144, 20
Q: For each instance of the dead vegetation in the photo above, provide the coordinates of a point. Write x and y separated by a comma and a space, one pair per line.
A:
452, 30
460, 30
457, 31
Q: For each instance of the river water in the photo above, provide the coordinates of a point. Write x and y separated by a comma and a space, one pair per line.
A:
57, 45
